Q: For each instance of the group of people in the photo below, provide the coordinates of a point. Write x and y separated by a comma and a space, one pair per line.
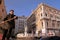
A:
7, 32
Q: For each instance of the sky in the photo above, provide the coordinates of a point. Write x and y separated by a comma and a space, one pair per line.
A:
25, 7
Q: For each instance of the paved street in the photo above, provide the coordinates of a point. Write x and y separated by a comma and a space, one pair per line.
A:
26, 38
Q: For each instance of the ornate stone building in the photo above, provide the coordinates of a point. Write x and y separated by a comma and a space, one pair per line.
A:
44, 19
20, 24
2, 9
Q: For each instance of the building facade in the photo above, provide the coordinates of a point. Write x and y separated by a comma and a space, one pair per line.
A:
31, 23
2, 12
20, 24
44, 19
2, 9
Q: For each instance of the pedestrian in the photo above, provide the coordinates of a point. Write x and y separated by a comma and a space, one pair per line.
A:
11, 24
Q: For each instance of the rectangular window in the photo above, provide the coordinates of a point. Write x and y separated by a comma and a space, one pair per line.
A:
53, 24
47, 24
58, 24
51, 15
42, 24
0, 1
45, 14
41, 14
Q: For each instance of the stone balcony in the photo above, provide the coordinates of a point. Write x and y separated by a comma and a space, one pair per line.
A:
57, 19
53, 18
44, 17
54, 28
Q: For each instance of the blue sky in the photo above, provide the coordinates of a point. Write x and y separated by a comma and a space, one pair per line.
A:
25, 7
